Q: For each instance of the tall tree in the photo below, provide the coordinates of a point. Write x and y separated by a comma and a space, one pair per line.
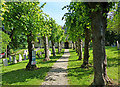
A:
98, 24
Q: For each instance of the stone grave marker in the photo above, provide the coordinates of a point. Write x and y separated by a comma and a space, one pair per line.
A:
20, 58
33, 62
5, 62
24, 55
10, 59
14, 60
49, 53
118, 45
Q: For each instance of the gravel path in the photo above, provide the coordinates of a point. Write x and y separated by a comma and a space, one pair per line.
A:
58, 74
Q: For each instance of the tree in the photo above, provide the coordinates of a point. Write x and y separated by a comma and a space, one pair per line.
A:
45, 33
98, 25
5, 41
27, 15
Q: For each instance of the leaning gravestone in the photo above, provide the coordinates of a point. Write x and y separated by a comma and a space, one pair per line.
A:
5, 62
10, 59
24, 55
14, 60
20, 58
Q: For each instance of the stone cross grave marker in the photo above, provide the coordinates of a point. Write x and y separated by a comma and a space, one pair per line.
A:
5, 62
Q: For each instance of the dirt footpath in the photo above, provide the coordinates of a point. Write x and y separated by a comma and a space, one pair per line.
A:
58, 74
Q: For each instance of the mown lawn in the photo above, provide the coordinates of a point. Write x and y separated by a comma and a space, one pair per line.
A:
80, 76
15, 74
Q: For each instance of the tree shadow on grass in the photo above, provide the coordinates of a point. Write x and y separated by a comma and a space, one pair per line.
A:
51, 60
21, 75
112, 62
79, 72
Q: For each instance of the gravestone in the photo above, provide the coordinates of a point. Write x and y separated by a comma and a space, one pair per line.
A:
10, 59
40, 54
14, 60
26, 52
24, 55
20, 58
118, 45
5, 62
33, 62
49, 53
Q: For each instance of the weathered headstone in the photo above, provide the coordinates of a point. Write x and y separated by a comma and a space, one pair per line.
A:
24, 56
118, 45
40, 53
5, 62
14, 60
10, 59
33, 62
49, 53
20, 58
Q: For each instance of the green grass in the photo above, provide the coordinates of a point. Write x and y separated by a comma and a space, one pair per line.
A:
15, 74
79, 76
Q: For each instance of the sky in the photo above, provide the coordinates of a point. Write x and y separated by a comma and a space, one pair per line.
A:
54, 10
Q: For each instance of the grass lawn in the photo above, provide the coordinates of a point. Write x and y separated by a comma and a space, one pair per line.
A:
79, 76
15, 74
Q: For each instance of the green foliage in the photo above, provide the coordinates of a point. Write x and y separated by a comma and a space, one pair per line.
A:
114, 22
5, 41
77, 19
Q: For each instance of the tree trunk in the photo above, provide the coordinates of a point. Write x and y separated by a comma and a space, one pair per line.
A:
86, 48
58, 47
73, 45
29, 65
98, 25
53, 48
79, 48
61, 46
46, 48
76, 46
6, 52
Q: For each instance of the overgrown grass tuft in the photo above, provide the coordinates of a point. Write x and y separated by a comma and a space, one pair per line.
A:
79, 76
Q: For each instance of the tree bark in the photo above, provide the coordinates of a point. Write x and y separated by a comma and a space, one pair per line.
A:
79, 48
76, 46
86, 48
46, 48
29, 65
73, 45
59, 47
53, 48
98, 24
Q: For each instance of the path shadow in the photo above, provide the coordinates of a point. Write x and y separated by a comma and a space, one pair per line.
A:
21, 75
58, 70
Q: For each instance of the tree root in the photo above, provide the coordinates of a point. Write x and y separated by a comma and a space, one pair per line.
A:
46, 59
31, 67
